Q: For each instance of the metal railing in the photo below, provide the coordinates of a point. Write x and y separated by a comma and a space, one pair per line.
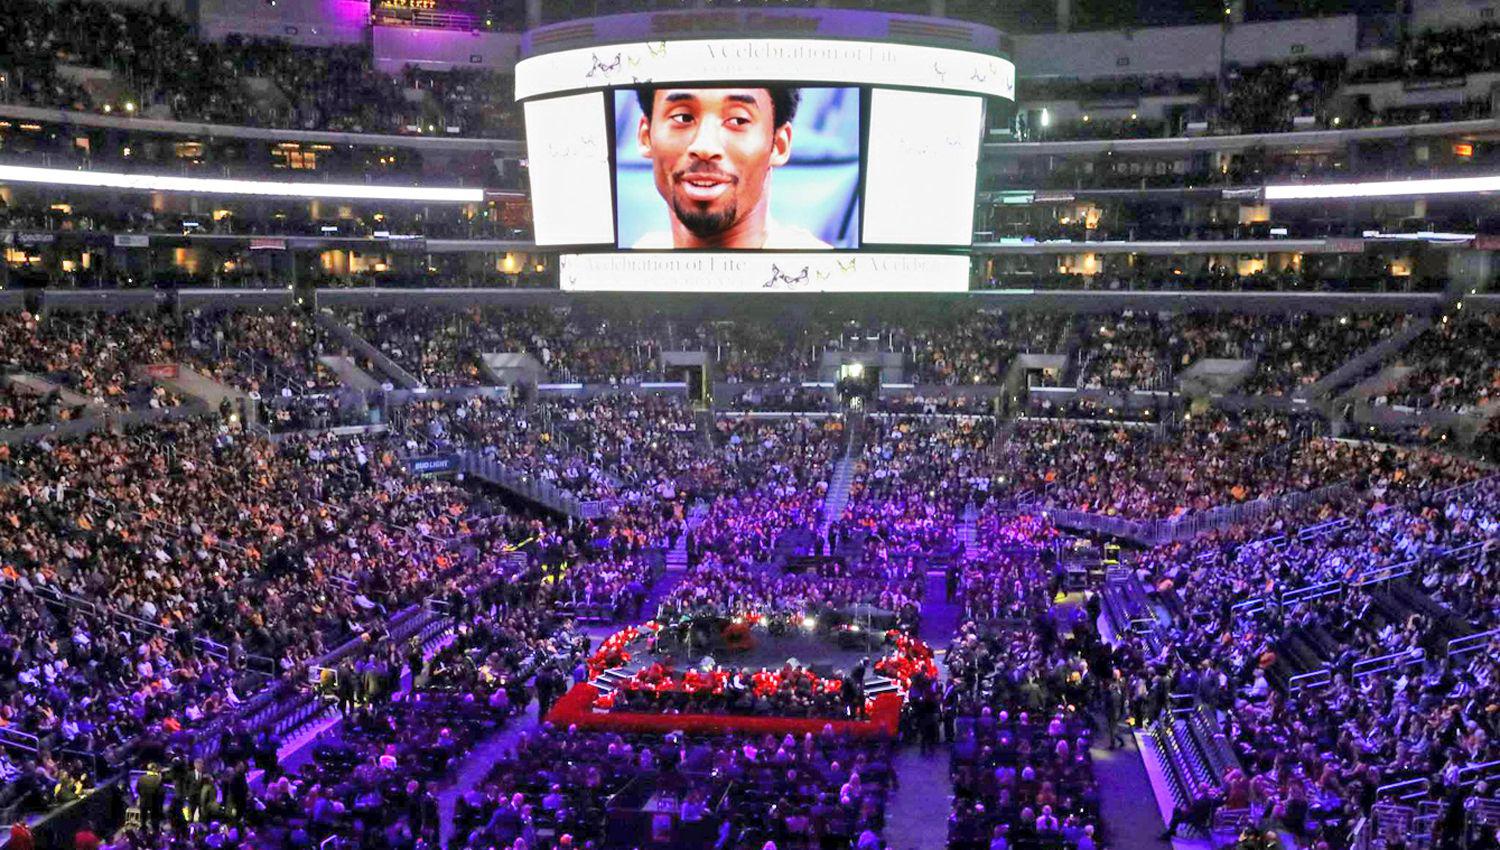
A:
1462, 646
1319, 590
533, 488
1458, 648
1158, 532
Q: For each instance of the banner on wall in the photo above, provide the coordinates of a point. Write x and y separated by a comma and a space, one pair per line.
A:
432, 465
765, 272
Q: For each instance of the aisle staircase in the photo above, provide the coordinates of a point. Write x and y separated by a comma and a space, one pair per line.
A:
677, 556
341, 334
967, 533
1186, 748
1364, 363
838, 493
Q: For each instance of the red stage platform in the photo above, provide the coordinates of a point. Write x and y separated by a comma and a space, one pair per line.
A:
576, 708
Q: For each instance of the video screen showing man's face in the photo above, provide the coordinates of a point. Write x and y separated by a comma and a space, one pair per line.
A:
711, 152
722, 166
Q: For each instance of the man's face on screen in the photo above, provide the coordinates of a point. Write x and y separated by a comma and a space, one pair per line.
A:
712, 151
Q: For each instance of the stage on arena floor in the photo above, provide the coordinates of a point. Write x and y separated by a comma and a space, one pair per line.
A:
829, 653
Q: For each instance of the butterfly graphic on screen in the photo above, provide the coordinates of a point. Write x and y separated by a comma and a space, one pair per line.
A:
779, 277
658, 49
602, 67
847, 267
978, 77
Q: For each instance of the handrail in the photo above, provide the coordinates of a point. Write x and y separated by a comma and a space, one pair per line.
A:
1377, 575
1313, 679
1390, 661
1312, 591
1359, 835
1474, 772
26, 739
1158, 532
1468, 552
1404, 790
1461, 646
1449, 492
1318, 529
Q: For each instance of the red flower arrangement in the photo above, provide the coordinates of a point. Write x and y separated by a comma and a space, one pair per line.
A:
613, 651
910, 656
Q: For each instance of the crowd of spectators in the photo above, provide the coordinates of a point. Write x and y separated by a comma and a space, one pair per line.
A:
1279, 97
1017, 709
1122, 353
154, 578
376, 778
914, 480
158, 575
160, 69
770, 477
1209, 461
264, 353
732, 790
1455, 366
443, 348
1004, 574
976, 348
1299, 352
1394, 703
96, 355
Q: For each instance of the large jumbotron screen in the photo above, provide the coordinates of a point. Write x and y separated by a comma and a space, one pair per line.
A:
758, 164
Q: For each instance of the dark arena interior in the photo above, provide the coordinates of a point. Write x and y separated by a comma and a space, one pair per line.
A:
749, 425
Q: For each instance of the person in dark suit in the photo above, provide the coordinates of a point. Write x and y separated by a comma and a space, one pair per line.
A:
151, 794
190, 790
949, 705
238, 790
1114, 712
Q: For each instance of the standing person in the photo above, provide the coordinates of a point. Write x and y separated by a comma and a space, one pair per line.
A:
191, 790
346, 685
1114, 712
949, 706
151, 795
238, 790
544, 692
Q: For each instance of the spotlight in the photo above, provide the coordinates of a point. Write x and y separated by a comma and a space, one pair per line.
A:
809, 623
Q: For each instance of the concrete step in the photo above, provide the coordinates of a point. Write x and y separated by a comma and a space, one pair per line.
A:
1365, 361
349, 372
186, 381
354, 342
39, 386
